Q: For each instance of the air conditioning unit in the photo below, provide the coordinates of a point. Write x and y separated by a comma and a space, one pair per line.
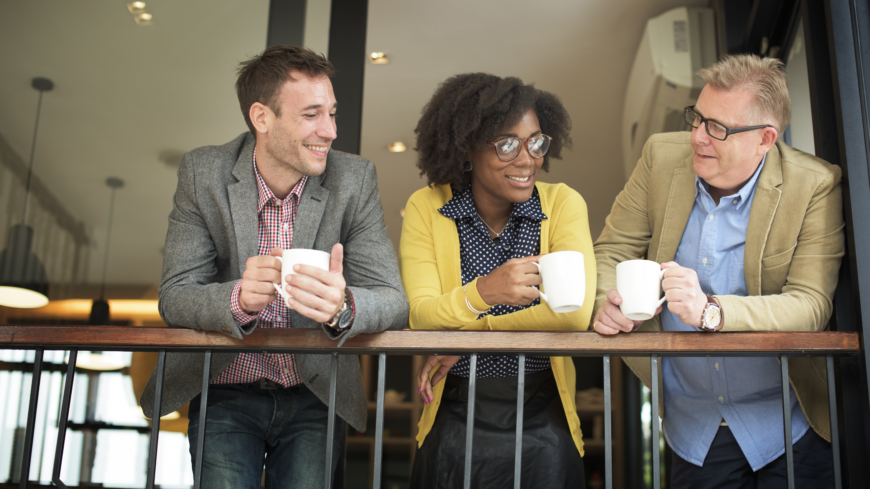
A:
675, 45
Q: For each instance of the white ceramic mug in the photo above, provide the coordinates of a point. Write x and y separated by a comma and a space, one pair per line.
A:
564, 280
298, 256
639, 282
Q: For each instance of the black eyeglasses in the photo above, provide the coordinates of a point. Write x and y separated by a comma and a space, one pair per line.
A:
715, 128
508, 148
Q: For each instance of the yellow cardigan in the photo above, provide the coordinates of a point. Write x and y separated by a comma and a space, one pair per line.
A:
429, 248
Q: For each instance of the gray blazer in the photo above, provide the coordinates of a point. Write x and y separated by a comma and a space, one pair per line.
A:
213, 231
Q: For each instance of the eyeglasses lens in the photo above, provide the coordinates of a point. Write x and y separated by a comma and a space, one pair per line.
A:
713, 128
507, 148
538, 146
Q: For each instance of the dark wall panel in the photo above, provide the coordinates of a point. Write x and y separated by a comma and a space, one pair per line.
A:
347, 51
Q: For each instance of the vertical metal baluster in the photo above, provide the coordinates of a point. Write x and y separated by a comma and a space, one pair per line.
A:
835, 434
521, 397
379, 420
200, 432
155, 421
330, 422
31, 417
786, 420
469, 422
654, 422
608, 438
64, 416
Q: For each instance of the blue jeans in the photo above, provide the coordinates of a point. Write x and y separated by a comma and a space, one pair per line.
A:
249, 428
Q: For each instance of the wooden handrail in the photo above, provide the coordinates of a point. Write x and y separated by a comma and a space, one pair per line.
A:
411, 342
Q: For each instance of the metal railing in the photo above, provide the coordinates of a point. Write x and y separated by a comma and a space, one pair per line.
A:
654, 345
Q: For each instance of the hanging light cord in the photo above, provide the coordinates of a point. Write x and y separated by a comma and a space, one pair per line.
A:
32, 151
108, 235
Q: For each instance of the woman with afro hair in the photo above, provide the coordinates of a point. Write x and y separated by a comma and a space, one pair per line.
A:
469, 243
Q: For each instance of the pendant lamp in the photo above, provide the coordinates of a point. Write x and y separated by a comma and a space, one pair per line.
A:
23, 281
100, 308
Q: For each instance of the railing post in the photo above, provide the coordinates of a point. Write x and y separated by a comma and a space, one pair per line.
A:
835, 430
654, 421
155, 420
521, 398
330, 422
608, 438
379, 420
64, 416
469, 423
31, 418
786, 420
203, 410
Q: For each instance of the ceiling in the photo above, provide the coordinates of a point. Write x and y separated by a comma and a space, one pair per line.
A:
126, 94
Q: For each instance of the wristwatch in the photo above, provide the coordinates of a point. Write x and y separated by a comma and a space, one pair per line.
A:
344, 316
711, 318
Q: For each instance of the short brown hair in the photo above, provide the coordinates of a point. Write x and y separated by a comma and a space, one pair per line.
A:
765, 77
261, 77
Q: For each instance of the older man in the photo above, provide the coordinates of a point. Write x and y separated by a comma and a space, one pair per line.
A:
237, 206
750, 232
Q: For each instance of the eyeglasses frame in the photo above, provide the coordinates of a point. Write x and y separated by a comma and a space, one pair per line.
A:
526, 145
728, 131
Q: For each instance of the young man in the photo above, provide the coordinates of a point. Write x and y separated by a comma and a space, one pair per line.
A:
750, 232
236, 207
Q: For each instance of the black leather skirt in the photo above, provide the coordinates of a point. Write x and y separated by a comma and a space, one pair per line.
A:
550, 458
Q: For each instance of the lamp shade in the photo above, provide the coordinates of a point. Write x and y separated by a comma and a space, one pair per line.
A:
23, 281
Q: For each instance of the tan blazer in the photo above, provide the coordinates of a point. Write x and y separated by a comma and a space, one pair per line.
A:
794, 244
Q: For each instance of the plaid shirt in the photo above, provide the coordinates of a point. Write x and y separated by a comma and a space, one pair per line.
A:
275, 220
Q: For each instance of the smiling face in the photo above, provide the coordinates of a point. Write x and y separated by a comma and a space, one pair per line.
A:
728, 165
499, 184
299, 139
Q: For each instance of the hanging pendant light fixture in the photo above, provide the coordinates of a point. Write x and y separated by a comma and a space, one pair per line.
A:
23, 281
100, 307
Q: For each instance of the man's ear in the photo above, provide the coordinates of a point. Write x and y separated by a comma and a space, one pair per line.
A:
261, 117
768, 139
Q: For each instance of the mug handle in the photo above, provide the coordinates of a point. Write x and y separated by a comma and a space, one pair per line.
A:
283, 293
543, 295
663, 299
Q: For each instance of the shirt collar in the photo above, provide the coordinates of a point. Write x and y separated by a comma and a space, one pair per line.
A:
742, 195
264, 193
462, 205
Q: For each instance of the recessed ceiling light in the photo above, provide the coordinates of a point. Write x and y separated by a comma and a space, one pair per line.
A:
397, 147
379, 58
136, 7
143, 19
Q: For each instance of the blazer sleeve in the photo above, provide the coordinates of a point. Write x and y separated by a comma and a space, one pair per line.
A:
627, 231
370, 267
189, 293
806, 300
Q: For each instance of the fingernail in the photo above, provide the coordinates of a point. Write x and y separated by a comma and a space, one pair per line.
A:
295, 268
419, 389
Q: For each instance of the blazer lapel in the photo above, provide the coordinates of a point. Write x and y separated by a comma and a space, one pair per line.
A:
312, 202
681, 199
764, 205
243, 205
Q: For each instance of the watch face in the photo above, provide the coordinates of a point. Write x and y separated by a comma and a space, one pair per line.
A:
345, 318
712, 317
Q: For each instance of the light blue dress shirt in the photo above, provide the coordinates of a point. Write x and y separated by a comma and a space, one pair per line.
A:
701, 391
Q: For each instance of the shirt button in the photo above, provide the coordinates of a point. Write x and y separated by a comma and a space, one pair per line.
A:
711, 217
704, 261
717, 365
285, 226
721, 399
734, 201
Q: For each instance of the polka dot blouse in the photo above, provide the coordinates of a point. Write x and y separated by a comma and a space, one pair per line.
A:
480, 255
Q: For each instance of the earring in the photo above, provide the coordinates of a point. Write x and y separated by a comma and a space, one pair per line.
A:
467, 166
